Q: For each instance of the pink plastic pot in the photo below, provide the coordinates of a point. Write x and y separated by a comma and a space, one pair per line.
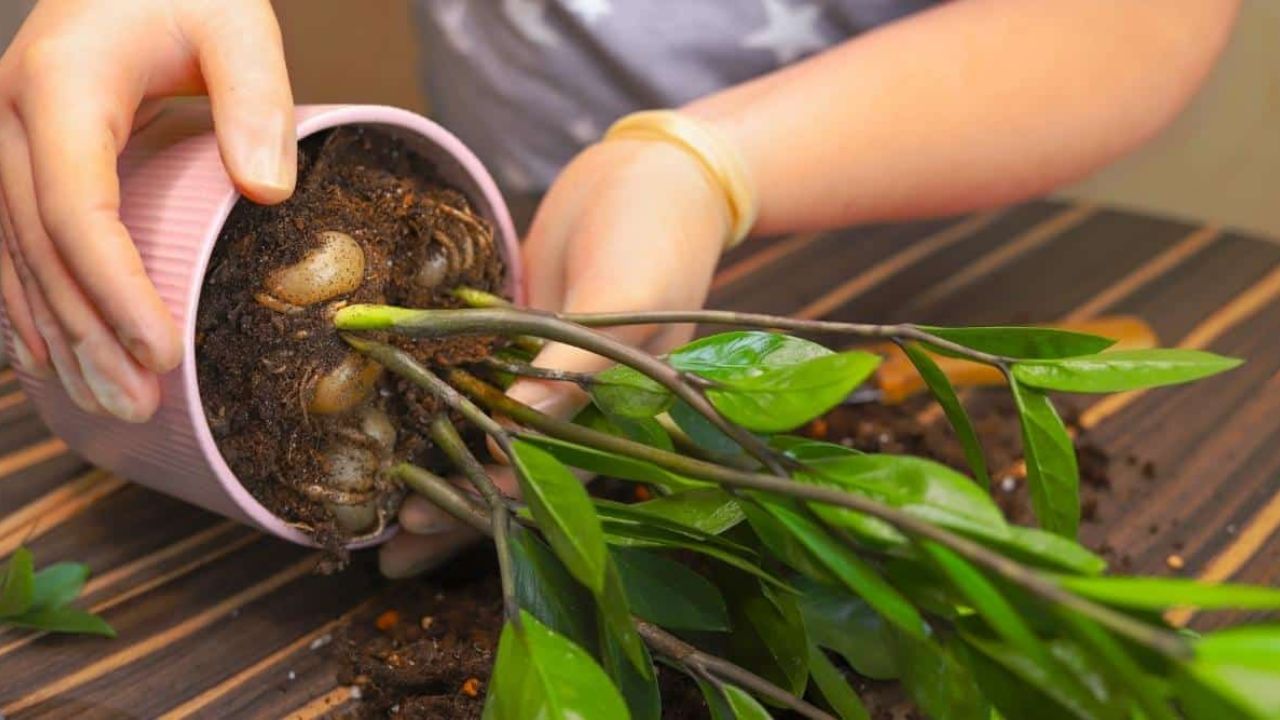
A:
175, 198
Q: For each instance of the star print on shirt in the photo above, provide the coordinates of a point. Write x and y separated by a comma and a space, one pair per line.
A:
530, 18
790, 32
589, 10
452, 19
584, 130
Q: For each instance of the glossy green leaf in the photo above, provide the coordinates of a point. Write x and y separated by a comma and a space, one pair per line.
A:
781, 398
605, 463
856, 574
1052, 474
742, 353
711, 510
615, 615
940, 682
1045, 549
926, 489
1242, 666
845, 624
1021, 342
783, 545
18, 585
1116, 662
642, 430
639, 689
643, 536
627, 392
1122, 370
942, 390
63, 619
1158, 593
835, 690
1022, 687
769, 636
729, 702
544, 588
540, 674
669, 594
564, 513
58, 584
985, 599
706, 436
808, 450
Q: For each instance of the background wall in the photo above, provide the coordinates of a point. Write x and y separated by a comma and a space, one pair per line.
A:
1220, 161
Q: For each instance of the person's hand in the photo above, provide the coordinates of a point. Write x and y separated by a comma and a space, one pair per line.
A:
78, 77
627, 226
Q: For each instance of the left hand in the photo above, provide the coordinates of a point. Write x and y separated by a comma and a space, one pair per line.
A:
627, 226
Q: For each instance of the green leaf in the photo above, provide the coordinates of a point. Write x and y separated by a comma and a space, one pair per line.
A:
540, 674
642, 430
809, 451
564, 513
1021, 687
58, 584
710, 510
18, 586
853, 571
942, 390
779, 541
835, 690
1242, 666
626, 392
1116, 662
706, 436
544, 588
769, 635
744, 559
1122, 370
942, 685
669, 594
781, 398
985, 599
728, 702
1044, 549
64, 619
742, 353
845, 624
1158, 593
1052, 474
1021, 342
615, 611
609, 464
640, 690
926, 489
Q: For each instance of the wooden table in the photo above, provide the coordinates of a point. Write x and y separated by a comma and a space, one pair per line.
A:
218, 621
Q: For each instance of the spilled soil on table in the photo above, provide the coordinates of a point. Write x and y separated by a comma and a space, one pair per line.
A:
263, 359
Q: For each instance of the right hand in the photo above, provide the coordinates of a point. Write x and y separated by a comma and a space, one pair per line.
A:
79, 76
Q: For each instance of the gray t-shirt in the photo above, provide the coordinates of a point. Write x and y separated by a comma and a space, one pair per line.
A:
528, 83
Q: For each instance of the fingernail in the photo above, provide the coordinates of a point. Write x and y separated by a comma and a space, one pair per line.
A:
74, 384
109, 393
25, 361
145, 353
267, 164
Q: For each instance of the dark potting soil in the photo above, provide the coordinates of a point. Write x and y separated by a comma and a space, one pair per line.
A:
259, 360
425, 650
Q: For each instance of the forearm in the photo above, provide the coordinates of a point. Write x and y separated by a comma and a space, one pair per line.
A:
974, 104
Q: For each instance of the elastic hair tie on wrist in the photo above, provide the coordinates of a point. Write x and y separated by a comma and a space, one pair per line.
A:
715, 154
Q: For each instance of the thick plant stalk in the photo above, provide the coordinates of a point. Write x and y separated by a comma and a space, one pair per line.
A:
507, 321
582, 380
1162, 641
451, 444
660, 641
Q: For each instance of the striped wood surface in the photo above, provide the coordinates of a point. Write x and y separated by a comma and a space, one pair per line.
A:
218, 621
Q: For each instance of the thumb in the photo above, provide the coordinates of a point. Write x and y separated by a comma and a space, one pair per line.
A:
241, 58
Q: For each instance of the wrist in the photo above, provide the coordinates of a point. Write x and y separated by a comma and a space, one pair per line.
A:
721, 165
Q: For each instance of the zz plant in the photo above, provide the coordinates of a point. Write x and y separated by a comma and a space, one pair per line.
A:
765, 555
767, 558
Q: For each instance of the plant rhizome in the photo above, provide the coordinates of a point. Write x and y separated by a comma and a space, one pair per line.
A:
303, 421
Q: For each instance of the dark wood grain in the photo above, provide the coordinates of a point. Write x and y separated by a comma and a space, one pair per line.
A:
217, 621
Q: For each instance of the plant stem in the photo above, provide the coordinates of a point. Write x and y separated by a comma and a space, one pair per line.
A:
440, 491
582, 380
451, 444
1155, 638
444, 495
697, 661
508, 321
903, 331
